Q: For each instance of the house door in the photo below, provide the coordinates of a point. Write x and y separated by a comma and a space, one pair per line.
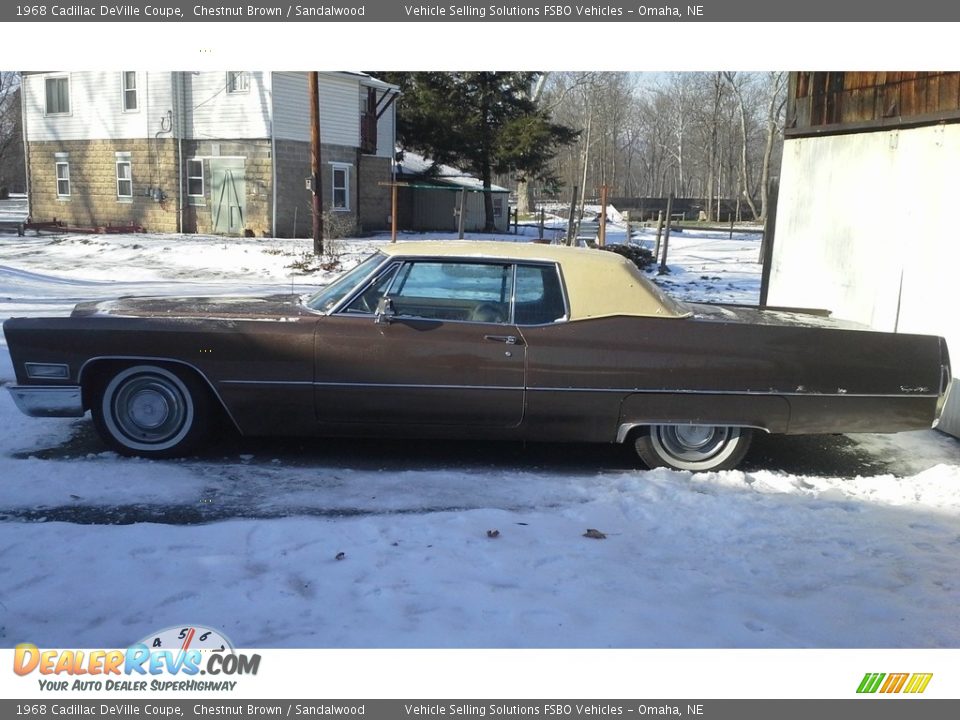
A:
228, 193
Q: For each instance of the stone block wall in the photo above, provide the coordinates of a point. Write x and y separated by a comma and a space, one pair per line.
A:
93, 197
93, 200
374, 202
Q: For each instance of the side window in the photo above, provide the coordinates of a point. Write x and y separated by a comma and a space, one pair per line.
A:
473, 292
128, 79
366, 302
57, 95
539, 298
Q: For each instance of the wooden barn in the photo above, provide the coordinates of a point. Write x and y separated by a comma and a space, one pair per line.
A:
868, 204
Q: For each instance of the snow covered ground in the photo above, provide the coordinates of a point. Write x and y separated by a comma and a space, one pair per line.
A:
818, 542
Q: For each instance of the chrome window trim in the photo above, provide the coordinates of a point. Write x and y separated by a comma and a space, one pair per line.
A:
358, 288
340, 307
363, 286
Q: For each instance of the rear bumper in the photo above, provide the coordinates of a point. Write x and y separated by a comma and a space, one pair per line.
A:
48, 400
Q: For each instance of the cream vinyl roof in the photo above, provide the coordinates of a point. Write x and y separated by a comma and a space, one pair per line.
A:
599, 283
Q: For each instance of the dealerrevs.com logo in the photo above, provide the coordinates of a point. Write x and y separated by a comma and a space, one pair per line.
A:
910, 683
169, 660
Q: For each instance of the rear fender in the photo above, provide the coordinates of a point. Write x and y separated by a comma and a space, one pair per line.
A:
769, 413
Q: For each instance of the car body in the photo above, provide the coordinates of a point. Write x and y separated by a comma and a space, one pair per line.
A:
475, 340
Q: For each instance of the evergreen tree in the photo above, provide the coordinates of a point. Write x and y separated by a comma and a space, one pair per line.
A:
483, 122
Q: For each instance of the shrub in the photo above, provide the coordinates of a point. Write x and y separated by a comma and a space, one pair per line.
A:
641, 257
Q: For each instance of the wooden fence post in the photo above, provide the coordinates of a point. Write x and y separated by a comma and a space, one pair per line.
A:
666, 236
656, 250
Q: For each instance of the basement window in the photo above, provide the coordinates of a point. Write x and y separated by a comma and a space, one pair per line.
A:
340, 200
63, 176
124, 177
195, 181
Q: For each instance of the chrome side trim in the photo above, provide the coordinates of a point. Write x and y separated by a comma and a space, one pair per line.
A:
620, 391
625, 428
48, 401
402, 386
762, 393
148, 358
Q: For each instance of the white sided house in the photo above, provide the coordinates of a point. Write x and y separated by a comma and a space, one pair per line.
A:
211, 152
867, 212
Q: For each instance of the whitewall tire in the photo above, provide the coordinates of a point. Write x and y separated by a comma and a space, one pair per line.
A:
151, 411
697, 448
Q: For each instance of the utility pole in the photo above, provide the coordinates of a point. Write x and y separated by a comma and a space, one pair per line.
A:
314, 81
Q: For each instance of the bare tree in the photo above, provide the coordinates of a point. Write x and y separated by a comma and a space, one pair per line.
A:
11, 140
776, 101
739, 83
701, 135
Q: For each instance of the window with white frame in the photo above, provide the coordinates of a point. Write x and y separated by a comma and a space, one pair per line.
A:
195, 180
238, 81
57, 95
340, 187
62, 161
129, 82
124, 176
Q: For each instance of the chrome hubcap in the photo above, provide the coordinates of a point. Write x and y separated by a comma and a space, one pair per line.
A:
694, 443
694, 436
149, 409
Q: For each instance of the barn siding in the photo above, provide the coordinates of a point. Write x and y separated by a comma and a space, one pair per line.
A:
851, 232
828, 102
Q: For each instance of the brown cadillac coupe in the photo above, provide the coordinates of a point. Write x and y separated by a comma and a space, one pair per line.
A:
475, 340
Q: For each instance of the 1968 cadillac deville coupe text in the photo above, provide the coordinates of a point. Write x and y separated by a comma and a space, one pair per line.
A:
475, 340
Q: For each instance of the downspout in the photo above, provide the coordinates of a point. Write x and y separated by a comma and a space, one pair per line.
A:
273, 160
26, 147
178, 106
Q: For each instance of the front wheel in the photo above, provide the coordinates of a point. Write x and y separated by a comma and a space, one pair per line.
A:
693, 447
151, 411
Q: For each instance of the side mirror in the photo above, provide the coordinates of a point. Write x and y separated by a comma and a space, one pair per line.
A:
385, 311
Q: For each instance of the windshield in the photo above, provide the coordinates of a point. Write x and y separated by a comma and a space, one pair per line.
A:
333, 293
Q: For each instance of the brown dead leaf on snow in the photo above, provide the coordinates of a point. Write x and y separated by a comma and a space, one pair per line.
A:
493, 533
594, 534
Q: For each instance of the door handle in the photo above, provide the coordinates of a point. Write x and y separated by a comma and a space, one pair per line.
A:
508, 339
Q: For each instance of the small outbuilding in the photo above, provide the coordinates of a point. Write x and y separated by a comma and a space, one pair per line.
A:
429, 197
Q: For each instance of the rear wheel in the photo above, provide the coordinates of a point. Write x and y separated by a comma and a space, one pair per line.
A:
693, 447
151, 411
